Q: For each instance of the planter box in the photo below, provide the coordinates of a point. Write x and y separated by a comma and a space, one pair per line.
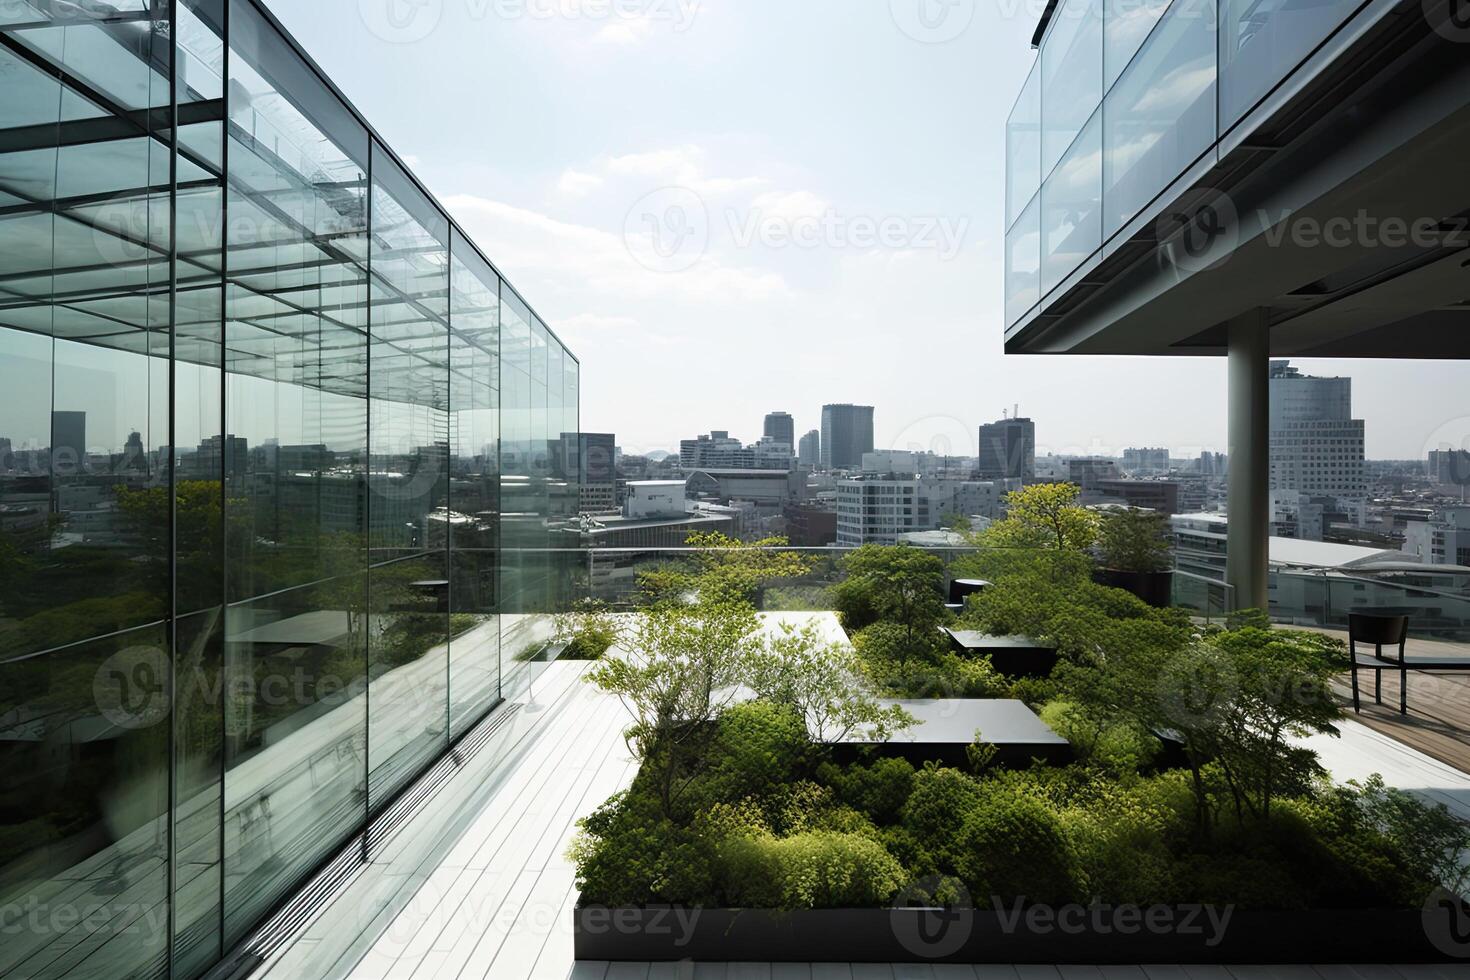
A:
1154, 588
1073, 934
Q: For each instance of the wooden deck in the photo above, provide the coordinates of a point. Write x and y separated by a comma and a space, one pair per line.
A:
1438, 722
477, 884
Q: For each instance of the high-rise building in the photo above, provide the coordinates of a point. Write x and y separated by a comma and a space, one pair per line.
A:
68, 442
810, 451
343, 540
1146, 460
1449, 467
1008, 450
1316, 446
847, 433
781, 427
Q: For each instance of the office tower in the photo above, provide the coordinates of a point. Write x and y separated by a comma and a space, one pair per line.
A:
847, 433
590, 459
1316, 447
314, 543
1449, 467
1008, 450
810, 451
781, 427
68, 442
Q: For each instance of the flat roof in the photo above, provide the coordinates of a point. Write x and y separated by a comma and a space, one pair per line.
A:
954, 722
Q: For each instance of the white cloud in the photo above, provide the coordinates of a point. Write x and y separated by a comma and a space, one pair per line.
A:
574, 183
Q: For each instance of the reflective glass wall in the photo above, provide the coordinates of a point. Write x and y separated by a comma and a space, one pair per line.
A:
1124, 97
272, 435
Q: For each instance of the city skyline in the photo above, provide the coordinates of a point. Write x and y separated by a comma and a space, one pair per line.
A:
794, 326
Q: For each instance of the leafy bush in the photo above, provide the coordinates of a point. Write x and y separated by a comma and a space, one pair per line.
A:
588, 631
1013, 845
936, 809
628, 853
1115, 745
817, 869
757, 750
879, 789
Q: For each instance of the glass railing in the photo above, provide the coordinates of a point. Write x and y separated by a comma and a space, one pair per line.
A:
1436, 602
1125, 96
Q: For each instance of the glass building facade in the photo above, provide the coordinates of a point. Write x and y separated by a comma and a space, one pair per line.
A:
1125, 96
279, 496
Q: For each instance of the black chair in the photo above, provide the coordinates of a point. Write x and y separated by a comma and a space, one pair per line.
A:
1381, 631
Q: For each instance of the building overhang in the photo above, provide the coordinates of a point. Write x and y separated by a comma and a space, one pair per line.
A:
1339, 207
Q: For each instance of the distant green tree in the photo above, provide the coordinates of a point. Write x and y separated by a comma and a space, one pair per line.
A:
896, 584
1134, 540
1045, 515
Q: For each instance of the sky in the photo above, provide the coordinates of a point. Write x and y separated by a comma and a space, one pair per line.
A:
732, 207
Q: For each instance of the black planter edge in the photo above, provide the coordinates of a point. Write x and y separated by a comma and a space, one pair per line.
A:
1074, 934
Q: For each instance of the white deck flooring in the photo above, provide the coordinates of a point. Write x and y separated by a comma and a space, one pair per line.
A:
477, 885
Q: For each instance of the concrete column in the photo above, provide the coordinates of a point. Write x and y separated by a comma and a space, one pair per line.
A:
1250, 454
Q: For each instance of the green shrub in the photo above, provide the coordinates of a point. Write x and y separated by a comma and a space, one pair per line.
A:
936, 810
817, 869
1014, 845
1119, 746
757, 749
628, 853
878, 789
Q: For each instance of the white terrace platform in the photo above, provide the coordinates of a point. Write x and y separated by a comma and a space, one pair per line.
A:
477, 886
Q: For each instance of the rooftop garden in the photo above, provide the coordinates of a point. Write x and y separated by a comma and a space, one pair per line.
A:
1189, 782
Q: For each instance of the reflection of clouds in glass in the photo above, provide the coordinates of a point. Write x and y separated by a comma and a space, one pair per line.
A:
1178, 89
1128, 23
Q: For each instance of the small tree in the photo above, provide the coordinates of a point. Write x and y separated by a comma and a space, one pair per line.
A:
1045, 515
1135, 540
822, 680
680, 672
897, 584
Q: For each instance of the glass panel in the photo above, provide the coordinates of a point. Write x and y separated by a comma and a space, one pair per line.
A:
1125, 26
474, 488
199, 496
294, 460
1023, 147
83, 808
1071, 76
1071, 208
408, 657
1262, 41
1023, 262
1161, 115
